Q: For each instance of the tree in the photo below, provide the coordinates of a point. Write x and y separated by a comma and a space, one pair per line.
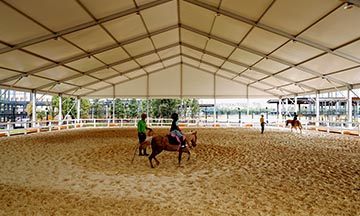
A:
67, 104
163, 108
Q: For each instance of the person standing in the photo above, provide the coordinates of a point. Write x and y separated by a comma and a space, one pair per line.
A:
262, 123
141, 126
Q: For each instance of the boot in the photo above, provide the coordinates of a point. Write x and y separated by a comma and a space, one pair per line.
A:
183, 144
145, 154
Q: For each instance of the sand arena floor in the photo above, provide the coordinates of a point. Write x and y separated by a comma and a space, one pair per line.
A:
234, 171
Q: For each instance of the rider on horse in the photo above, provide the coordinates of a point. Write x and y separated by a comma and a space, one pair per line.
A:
294, 119
176, 130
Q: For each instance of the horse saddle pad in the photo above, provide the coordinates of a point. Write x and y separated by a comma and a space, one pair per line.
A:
173, 139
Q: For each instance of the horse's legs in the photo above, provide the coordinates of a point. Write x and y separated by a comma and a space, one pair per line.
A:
180, 153
152, 156
189, 155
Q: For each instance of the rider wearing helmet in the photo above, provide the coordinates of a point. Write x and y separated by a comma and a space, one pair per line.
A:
294, 119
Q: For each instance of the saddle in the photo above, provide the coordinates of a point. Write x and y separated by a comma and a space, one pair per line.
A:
173, 139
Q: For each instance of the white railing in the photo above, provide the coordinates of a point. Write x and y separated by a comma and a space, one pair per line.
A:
15, 128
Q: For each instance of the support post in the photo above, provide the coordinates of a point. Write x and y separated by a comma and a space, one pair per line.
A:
317, 108
60, 110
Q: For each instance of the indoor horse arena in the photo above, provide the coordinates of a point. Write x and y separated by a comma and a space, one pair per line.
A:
231, 171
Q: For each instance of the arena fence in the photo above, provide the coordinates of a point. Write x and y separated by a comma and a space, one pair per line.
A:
16, 128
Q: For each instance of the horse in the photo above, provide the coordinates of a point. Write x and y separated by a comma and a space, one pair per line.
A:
297, 124
160, 143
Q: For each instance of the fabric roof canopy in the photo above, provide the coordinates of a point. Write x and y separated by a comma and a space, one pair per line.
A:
179, 48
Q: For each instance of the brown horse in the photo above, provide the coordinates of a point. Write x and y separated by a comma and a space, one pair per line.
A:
160, 143
296, 125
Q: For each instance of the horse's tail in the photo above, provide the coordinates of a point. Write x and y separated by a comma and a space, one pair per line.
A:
300, 125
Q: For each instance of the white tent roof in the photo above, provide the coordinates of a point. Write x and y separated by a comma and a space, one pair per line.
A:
179, 48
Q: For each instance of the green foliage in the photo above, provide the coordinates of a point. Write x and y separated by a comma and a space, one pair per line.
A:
67, 104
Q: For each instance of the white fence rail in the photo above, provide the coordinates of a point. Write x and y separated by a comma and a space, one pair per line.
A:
15, 128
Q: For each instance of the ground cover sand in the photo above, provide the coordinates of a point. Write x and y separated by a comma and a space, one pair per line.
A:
232, 171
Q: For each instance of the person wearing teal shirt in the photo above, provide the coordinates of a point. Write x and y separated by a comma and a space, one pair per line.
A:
141, 126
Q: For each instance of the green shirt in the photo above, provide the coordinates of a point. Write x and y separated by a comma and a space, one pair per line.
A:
141, 126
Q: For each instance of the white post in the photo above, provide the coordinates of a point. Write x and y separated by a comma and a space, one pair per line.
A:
113, 113
78, 109
296, 105
349, 103
60, 110
214, 111
317, 108
34, 107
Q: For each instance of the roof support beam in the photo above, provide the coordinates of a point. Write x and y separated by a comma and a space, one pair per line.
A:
83, 26
273, 30
261, 54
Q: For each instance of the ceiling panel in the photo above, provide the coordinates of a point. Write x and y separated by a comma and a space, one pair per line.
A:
193, 39
337, 29
352, 49
104, 73
113, 55
132, 23
83, 80
244, 57
219, 48
295, 52
230, 29
172, 61
21, 61
29, 82
243, 79
225, 73
166, 38
269, 65
208, 68
295, 75
151, 58
139, 47
320, 83
60, 49
161, 16
250, 9
136, 73
351, 76
85, 64
191, 52
289, 16
16, 28
6, 74
263, 41
90, 39
100, 10
48, 12
117, 79
190, 12
58, 73
233, 67
275, 81
169, 52
254, 74
328, 63
153, 67
129, 65
212, 60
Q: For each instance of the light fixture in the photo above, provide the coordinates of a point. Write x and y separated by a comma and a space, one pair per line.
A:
348, 5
